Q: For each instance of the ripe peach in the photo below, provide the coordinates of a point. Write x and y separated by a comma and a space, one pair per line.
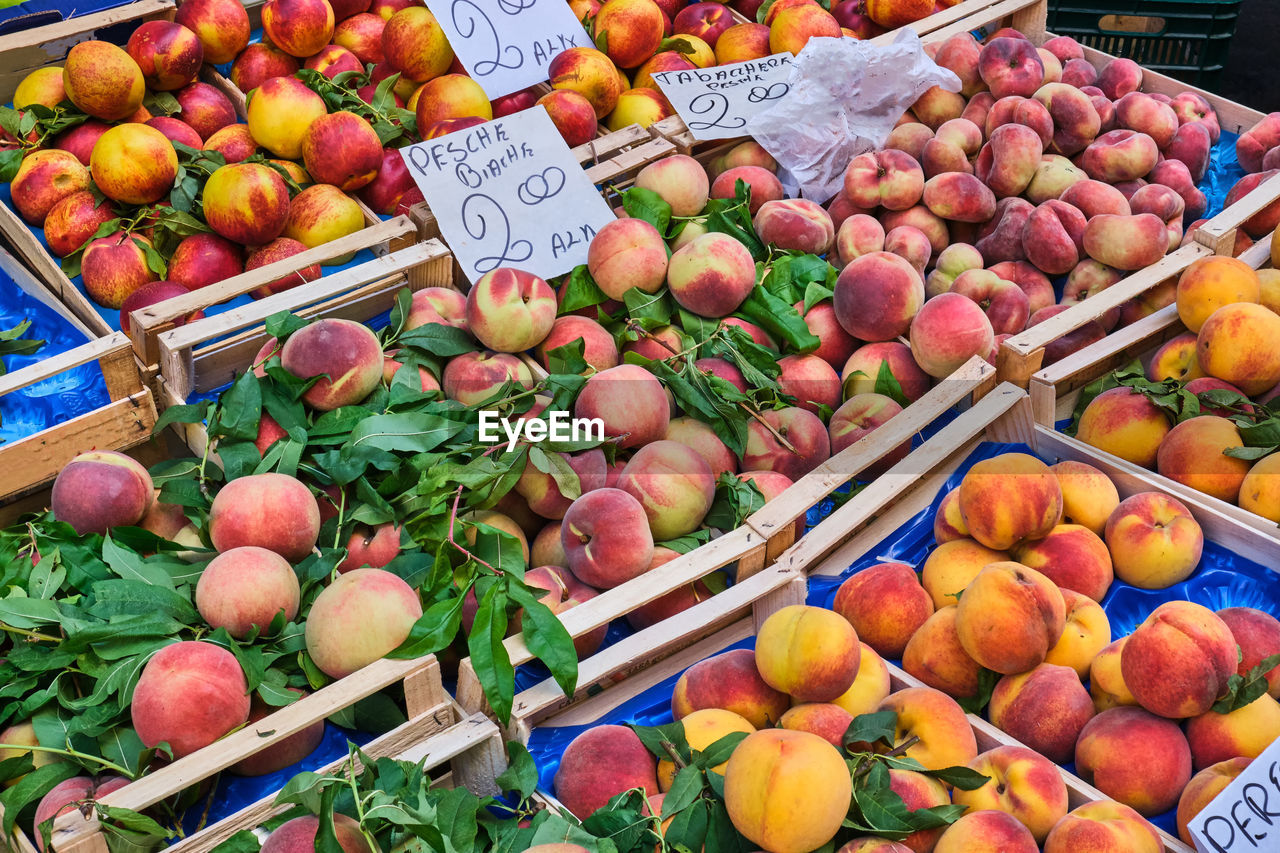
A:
948, 523
333, 60
934, 655
272, 511
825, 720
1073, 557
1006, 306
1086, 633
1022, 784
795, 224
802, 429
414, 44
298, 27
1010, 66
986, 829
918, 791
73, 220
711, 275
1044, 708
606, 538
810, 380
248, 203
870, 686
810, 653
45, 178
1255, 142
189, 694
730, 681
234, 142
342, 149
862, 370
42, 86
599, 348
764, 185
245, 588
358, 618
115, 266
440, 305
102, 80
1202, 789
168, 54
362, 35
1028, 513
680, 180
1243, 733
344, 353
451, 96
1177, 662
673, 484
630, 401
793, 27
945, 737
1258, 636
702, 438
373, 547
80, 139
1154, 541
630, 30
1001, 239
628, 253
891, 15
221, 25
322, 213
134, 164
1102, 826
1231, 346
281, 110
101, 489
701, 730
1135, 757
858, 417
888, 178
590, 73
1212, 283
1264, 221
1007, 600
885, 604
299, 834
204, 108
1122, 422
742, 42
1193, 454
509, 310
277, 250
950, 567
877, 295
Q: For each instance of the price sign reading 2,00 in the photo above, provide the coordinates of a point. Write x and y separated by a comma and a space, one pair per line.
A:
471, 22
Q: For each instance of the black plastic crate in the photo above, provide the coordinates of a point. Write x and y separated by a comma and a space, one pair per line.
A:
1187, 39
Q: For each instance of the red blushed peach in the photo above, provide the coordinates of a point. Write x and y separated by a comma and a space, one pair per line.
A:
1000, 240
101, 489
73, 220
1044, 708
1122, 422
959, 197
1135, 757
509, 310
885, 604
630, 31
919, 217
1035, 284
792, 28
1154, 541
414, 44
631, 403
542, 491
809, 443
1010, 67
948, 523
244, 589
1101, 826
763, 184
890, 178
1243, 733
707, 21
342, 149
358, 618
234, 142
371, 547
300, 834
298, 27
810, 653
1193, 453
45, 178
680, 180
188, 695
1055, 175
1007, 601
573, 115
344, 353
204, 108
858, 417
664, 60
1086, 634
1175, 359
248, 203
1022, 784
333, 60
115, 266
102, 80
1009, 160
277, 250
599, 348
742, 42
546, 550
440, 305
1202, 789
260, 62
1106, 681
959, 54
271, 511
1006, 305
1231, 346
701, 438
936, 106
949, 330
795, 224
221, 25
168, 54
280, 112
1177, 662
1016, 109
1264, 221
628, 253
80, 139
837, 345
42, 86
1052, 239
606, 538
859, 235
384, 193
918, 791
825, 720
1255, 142
757, 334
730, 681
811, 381
861, 371
1073, 557
673, 483
934, 655
1258, 635
877, 295
987, 829
711, 275
451, 96
322, 213
600, 763
954, 260
362, 35
286, 752
911, 139
945, 738
68, 795
590, 73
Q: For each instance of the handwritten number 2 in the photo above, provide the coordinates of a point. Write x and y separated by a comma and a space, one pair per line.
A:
468, 18
718, 105
477, 224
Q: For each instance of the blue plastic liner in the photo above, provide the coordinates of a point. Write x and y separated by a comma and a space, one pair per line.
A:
1222, 579
57, 399
39, 13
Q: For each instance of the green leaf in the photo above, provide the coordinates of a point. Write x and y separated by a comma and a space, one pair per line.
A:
645, 204
488, 654
1244, 690
887, 384
410, 432
877, 727
243, 841
521, 775
686, 787
580, 291
779, 318
546, 636
959, 777
719, 751
654, 738
439, 340
303, 789
10, 161
987, 680
433, 631
568, 358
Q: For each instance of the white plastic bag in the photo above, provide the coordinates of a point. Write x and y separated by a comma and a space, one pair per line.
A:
846, 95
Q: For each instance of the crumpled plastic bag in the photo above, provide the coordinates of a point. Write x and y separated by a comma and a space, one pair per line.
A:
846, 95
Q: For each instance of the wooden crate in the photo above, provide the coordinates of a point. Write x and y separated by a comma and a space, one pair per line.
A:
1219, 233
1056, 389
23, 52
436, 731
763, 536
29, 464
667, 649
199, 357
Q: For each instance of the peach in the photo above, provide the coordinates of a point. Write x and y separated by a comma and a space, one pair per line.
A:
1126, 242
606, 538
804, 431
1232, 346
414, 44
1119, 155
344, 353
374, 547
600, 763
986, 830
590, 73
1102, 826
342, 149
836, 345
1255, 142
1006, 305
1016, 109
701, 730
1106, 681
1055, 175
281, 111
19, 735
921, 218
333, 60
711, 275
949, 330
639, 105
954, 260
701, 438
630, 401
1035, 284
1203, 788
948, 524
877, 295
206, 109
362, 35
244, 588
277, 250
890, 178
859, 235
721, 369
359, 618
959, 197
101, 489
599, 349
1086, 633
113, 267
247, 203
543, 492
1140, 112
260, 62
322, 213
1154, 541
1030, 513
742, 42
1010, 66
1193, 453
42, 86
272, 511
885, 604
80, 139
509, 310
1242, 733
1119, 77
629, 31
1175, 175
189, 694
440, 305
919, 791
1264, 221
1022, 784
679, 180
934, 655
707, 21
944, 737
299, 835
810, 653
1135, 757
1177, 662
286, 752
1124, 423
732, 682
102, 80
911, 139
1009, 160
795, 225
936, 106
857, 418
1258, 636
787, 791
451, 96
134, 164
811, 381
863, 367
1044, 708
869, 688
1073, 557
234, 142
764, 185
673, 483
825, 720
668, 60
1165, 203
168, 54
45, 178
71, 794
1191, 147
1175, 359
628, 253
221, 25
298, 27
960, 54
1079, 72
1007, 600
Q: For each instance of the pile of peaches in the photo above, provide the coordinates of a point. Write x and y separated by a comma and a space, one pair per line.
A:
1230, 313
1025, 552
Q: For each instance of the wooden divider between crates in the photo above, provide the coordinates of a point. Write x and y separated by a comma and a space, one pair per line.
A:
429, 706
1219, 233
125, 422
763, 536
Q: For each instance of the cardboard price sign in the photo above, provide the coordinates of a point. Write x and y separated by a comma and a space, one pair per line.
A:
506, 45
508, 193
1246, 814
716, 102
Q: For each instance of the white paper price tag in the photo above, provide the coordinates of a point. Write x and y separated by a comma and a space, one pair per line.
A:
716, 102
506, 45
508, 193
1246, 814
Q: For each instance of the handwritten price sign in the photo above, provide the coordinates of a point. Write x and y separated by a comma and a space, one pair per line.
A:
508, 193
506, 45
715, 103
